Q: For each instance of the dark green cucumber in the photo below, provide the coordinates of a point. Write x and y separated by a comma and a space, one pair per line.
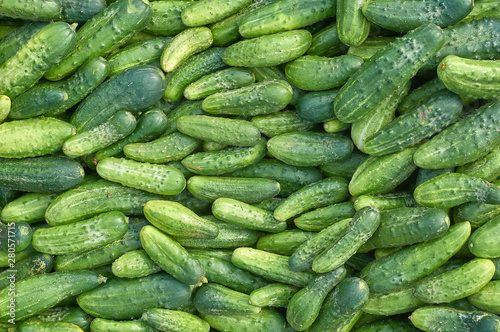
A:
452, 189
273, 295
166, 19
496, 261
486, 168
487, 298
352, 26
484, 241
387, 325
47, 47
318, 219
281, 122
270, 50
36, 294
15, 237
103, 33
327, 191
417, 96
369, 47
81, 11
157, 290
421, 44
34, 11
477, 213
214, 299
308, 148
271, 73
43, 174
171, 256
427, 174
393, 303
174, 320
305, 305
211, 11
403, 16
265, 320
344, 167
316, 106
37, 101
134, 264
270, 204
106, 325
121, 93
13, 41
7, 196
68, 315
315, 73
248, 190
326, 42
390, 273
285, 15
31, 266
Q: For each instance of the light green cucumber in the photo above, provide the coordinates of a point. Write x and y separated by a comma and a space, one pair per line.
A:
174, 321
32, 11
352, 26
211, 11
273, 295
106, 325
370, 47
134, 264
281, 122
484, 241
487, 298
318, 219
29, 208
336, 126
166, 19
5, 105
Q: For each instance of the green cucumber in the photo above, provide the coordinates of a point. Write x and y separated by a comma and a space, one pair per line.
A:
305, 305
379, 175
273, 295
344, 167
34, 11
47, 47
103, 33
336, 126
270, 204
484, 241
78, 11
179, 221
15, 236
194, 68
174, 321
71, 315
166, 19
120, 93
352, 26
5, 105
82, 235
427, 174
178, 165
483, 8
36, 294
477, 213
245, 215
486, 168
285, 15
214, 299
209, 188
403, 16
271, 73
318, 219
33, 137
118, 126
326, 42
324, 192
31, 266
390, 273
341, 305
36, 326
496, 261
452, 189
393, 303
370, 47
270, 266
487, 298
387, 325
362, 226
7, 258
226, 79
157, 291
134, 264
181, 108
385, 201
315, 73
211, 11
255, 99
37, 101
7, 196
106, 325
281, 122
171, 256
49, 174
422, 43
316, 106
302, 148
417, 96
470, 78
13, 41
265, 320
269, 50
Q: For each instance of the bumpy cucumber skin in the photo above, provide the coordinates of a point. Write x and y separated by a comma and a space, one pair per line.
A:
38, 326
484, 241
273, 295
134, 264
403, 16
418, 95
166, 18
214, 299
487, 298
270, 50
476, 213
352, 26
206, 12
388, 274
105, 325
62, 314
393, 303
103, 33
29, 267
43, 174
316, 106
370, 47
466, 141
17, 237
13, 41
471, 78
285, 15
81, 11
422, 43
283, 243
317, 220
179, 109
265, 320
33, 137
388, 325
452, 189
281, 122
314, 73
5, 105
41, 52
31, 11
344, 167
177, 320
487, 168
158, 291
36, 102
385, 201
326, 42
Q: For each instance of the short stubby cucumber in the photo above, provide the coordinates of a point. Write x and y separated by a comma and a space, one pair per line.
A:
134, 264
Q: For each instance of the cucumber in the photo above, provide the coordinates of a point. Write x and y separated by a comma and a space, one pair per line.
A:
326, 42
103, 33
484, 241
106, 325
214, 299
483, 8
477, 212
466, 141
265, 320
316, 106
387, 325
389, 171
13, 41
487, 298
37, 101
305, 305
496, 261
69, 315
271, 73
427, 174
209, 188
281, 122
174, 321
171, 256
365, 96
211, 11
134, 264
227, 79
166, 19
120, 93
370, 47
7, 196
393, 303
452, 189
35, 326
181, 108
48, 46
418, 95
470, 78
118, 126
48, 174
352, 26
389, 273
486, 168
194, 68
318, 219
284, 15
344, 167
315, 73
403, 16
31, 266
273, 295
158, 291
15, 237
308, 148
34, 11
245, 215
362, 226
385, 201
36, 294
81, 236
5, 105
33, 137
336, 126
78, 11
269, 50
104, 255
179, 221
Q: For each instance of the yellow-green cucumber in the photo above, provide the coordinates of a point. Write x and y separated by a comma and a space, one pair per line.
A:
5, 105
210, 11
29, 208
134, 264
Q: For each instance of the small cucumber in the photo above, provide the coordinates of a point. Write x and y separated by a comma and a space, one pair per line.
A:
15, 236
393, 303
316, 106
477, 213
326, 42
487, 298
265, 320
336, 126
106, 325
211, 11
370, 47
166, 19
302, 148
344, 167
417, 96
484, 241
81, 11
352, 26
37, 101
227, 79
5, 105
273, 295
134, 264
214, 299
280, 123
486, 168
31, 266
318, 219
174, 321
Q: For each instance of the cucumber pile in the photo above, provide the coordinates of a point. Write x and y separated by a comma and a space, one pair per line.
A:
250, 165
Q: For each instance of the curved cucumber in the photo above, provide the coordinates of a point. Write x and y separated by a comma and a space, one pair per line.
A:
484, 241
36, 102
174, 320
134, 264
487, 298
